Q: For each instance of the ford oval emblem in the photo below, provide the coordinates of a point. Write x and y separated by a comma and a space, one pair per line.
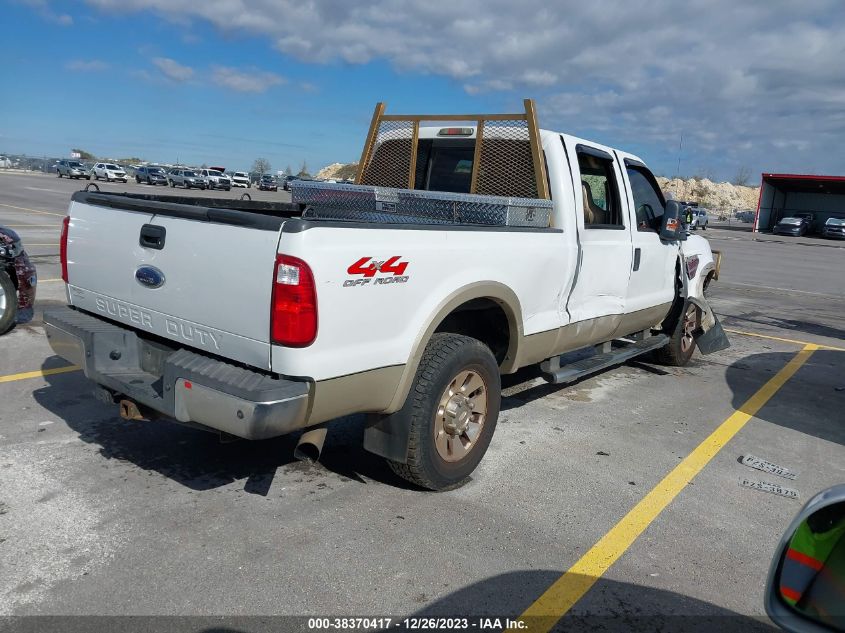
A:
150, 276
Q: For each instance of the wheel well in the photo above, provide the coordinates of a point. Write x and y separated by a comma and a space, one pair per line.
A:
9, 269
483, 319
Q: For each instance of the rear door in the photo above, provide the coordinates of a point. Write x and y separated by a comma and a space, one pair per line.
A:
599, 295
216, 279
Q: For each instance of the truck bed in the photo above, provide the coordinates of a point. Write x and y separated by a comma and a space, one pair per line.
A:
270, 216
257, 214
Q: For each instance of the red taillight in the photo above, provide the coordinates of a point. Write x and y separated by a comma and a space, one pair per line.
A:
293, 320
63, 247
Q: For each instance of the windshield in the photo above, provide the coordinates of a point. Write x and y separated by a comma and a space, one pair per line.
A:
214, 172
190, 174
156, 170
73, 163
835, 222
240, 174
791, 221
112, 167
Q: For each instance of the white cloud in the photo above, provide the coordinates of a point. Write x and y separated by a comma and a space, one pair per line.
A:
730, 76
42, 7
245, 80
173, 69
87, 65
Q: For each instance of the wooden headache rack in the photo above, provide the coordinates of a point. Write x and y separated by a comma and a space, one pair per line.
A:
507, 158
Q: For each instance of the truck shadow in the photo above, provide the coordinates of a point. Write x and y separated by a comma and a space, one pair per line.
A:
810, 402
609, 605
199, 460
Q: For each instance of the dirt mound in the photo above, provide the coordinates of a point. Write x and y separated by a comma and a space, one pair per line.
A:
337, 171
711, 195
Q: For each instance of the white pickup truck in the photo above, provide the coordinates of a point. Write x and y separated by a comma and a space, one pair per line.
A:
258, 319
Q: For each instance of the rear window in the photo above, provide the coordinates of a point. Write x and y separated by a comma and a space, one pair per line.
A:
445, 165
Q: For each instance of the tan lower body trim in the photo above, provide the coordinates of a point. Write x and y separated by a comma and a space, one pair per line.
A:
375, 390
535, 348
365, 391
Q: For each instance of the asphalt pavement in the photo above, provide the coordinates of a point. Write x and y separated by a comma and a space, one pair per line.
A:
102, 516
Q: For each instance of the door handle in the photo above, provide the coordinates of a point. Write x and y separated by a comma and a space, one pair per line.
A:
152, 236
637, 254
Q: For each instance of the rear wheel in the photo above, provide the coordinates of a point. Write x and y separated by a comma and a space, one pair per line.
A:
681, 345
8, 302
451, 412
59, 174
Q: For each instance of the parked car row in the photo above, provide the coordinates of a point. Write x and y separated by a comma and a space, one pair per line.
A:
202, 178
799, 224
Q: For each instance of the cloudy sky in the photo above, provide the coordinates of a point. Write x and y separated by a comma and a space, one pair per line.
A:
747, 84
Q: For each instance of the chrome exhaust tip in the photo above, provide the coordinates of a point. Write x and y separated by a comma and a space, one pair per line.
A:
129, 411
310, 445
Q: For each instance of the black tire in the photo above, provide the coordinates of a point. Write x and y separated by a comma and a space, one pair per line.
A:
9, 313
88, 177
681, 346
137, 180
59, 174
445, 357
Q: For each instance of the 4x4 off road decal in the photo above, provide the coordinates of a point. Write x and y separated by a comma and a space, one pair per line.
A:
392, 270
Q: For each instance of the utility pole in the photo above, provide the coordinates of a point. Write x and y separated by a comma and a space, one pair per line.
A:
680, 147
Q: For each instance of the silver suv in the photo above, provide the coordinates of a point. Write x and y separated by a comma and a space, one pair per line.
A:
186, 178
215, 179
71, 168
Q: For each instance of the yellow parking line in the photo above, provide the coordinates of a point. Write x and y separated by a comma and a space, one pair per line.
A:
784, 340
11, 206
38, 373
558, 599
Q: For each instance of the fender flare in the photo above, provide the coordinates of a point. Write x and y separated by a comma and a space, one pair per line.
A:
496, 291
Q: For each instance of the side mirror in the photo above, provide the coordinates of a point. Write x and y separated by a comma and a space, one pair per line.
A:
805, 591
670, 223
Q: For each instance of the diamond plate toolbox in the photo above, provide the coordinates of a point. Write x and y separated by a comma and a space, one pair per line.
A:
384, 204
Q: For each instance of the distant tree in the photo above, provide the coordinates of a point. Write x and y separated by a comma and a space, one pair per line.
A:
203, 166
303, 172
83, 154
261, 166
288, 171
743, 175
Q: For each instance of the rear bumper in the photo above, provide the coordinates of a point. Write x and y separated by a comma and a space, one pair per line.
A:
181, 384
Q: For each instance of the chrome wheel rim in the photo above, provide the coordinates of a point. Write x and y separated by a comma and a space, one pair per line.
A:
690, 323
460, 416
2, 301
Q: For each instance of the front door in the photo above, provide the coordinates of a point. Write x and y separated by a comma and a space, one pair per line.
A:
652, 285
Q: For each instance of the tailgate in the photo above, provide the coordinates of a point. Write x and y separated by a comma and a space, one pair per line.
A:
214, 279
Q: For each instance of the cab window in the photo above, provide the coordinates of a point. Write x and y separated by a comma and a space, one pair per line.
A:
599, 192
649, 203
